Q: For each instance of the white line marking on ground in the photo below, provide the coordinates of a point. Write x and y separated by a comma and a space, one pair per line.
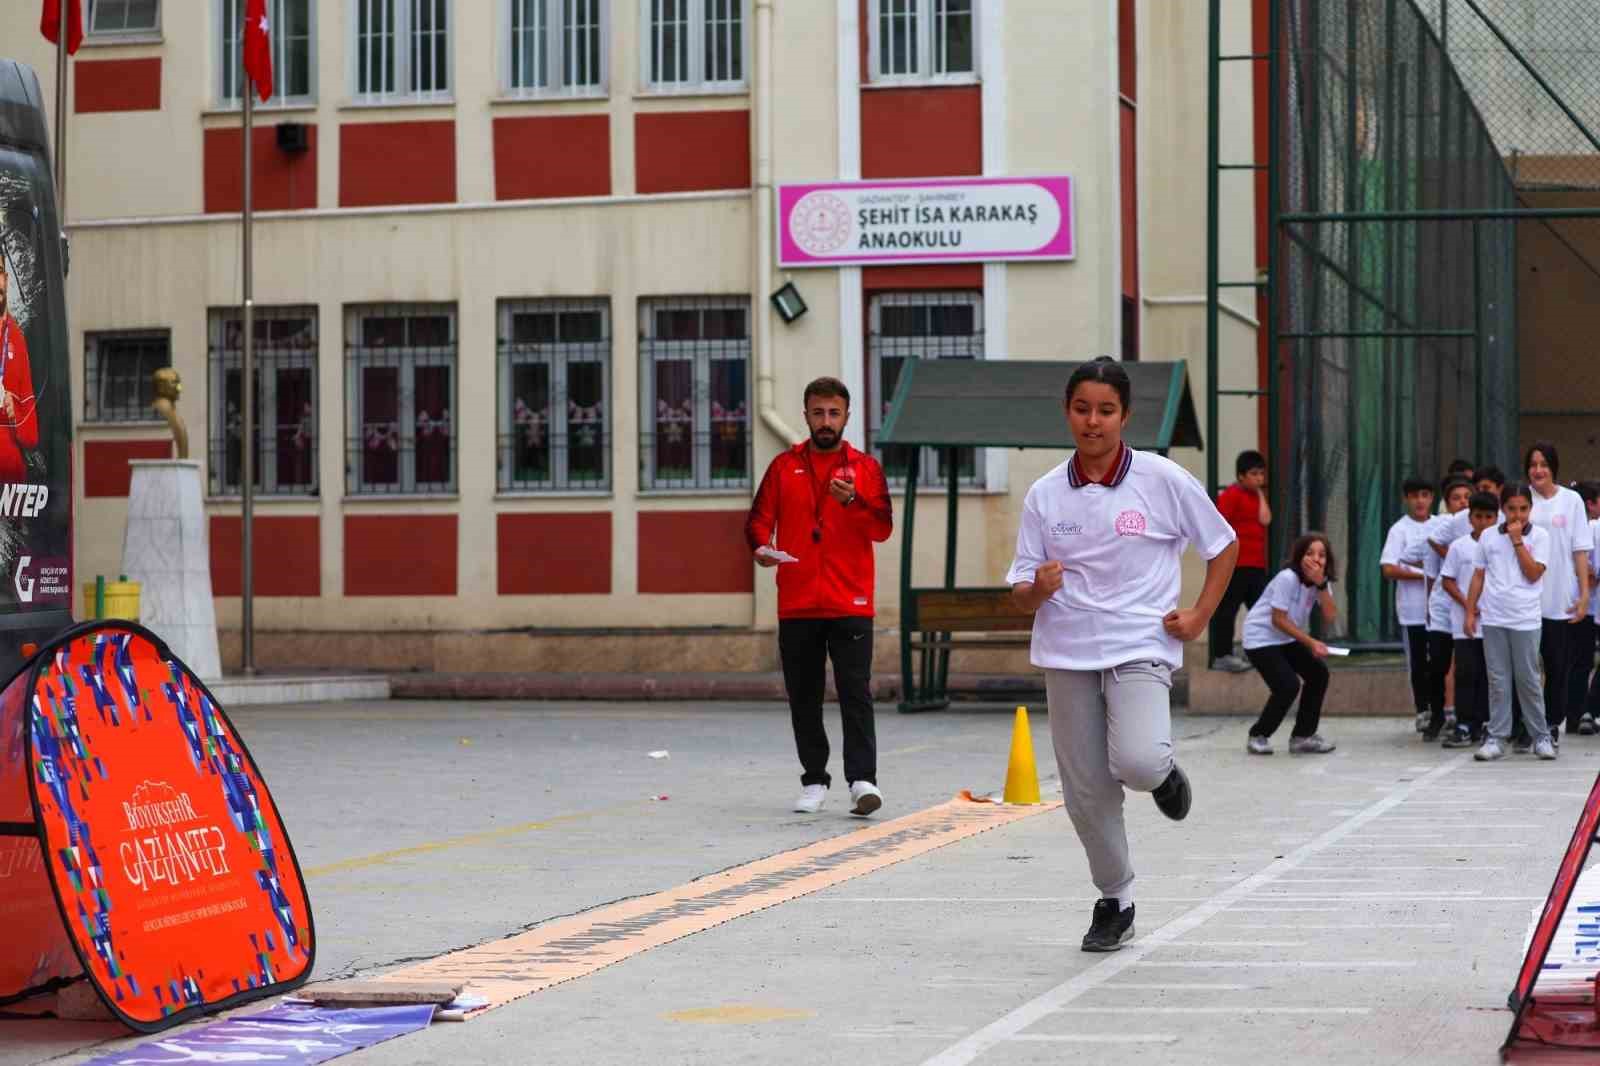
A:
1013, 1023
1287, 910
1236, 944
1215, 1010
1289, 964
1095, 1038
1447, 847
1346, 925
1178, 986
1458, 868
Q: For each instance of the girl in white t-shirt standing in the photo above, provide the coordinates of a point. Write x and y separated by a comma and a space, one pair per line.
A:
1097, 562
1506, 595
1564, 596
1289, 659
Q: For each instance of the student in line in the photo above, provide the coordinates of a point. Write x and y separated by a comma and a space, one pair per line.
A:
1097, 564
1490, 479
1506, 595
1285, 654
1456, 493
1401, 562
1244, 505
1463, 561
1590, 491
1565, 593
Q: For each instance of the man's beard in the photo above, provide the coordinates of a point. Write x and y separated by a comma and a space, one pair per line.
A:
824, 438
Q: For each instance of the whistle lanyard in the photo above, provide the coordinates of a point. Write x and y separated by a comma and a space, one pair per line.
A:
816, 501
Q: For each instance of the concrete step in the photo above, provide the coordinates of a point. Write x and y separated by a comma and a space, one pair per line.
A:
299, 688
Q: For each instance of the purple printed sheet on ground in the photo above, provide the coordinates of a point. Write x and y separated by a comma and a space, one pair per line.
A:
289, 1034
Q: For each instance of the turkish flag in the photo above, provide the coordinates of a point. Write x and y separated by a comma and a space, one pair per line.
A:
50, 23
258, 46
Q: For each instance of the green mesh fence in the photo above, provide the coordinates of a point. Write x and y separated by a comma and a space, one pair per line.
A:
1396, 338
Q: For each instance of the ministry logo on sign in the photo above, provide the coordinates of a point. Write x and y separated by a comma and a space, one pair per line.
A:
821, 223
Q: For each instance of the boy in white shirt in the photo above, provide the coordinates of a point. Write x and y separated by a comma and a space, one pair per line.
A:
1506, 593
1455, 579
1404, 550
1440, 642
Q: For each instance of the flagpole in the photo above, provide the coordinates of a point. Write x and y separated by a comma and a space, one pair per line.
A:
61, 118
247, 489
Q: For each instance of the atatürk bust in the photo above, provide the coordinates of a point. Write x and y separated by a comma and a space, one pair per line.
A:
169, 386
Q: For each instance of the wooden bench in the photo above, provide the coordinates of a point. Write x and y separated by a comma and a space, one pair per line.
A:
931, 620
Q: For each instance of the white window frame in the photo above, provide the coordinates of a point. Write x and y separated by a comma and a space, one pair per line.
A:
702, 353
925, 12
404, 16
137, 33
93, 411
558, 355
406, 361
280, 26
928, 475
555, 40
220, 360
696, 83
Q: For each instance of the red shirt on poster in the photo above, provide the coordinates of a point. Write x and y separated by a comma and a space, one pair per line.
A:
19, 419
1242, 508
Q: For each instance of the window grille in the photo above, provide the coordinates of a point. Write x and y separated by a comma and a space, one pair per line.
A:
286, 407
922, 325
119, 371
402, 48
118, 17
555, 395
557, 46
400, 392
694, 358
290, 23
694, 43
923, 39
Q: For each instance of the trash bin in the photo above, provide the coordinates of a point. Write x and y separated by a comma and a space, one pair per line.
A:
120, 598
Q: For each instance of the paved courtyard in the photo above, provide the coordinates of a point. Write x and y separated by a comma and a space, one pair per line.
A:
1365, 906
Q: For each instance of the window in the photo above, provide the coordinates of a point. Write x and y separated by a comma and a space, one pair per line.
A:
402, 48
557, 46
924, 325
293, 60
118, 382
555, 395
285, 353
401, 397
121, 17
694, 44
694, 357
923, 40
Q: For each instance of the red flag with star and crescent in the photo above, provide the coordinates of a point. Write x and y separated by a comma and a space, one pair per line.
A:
258, 47
50, 23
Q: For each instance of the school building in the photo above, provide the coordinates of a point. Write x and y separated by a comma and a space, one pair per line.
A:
519, 366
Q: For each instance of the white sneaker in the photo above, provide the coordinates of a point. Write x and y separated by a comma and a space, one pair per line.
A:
1258, 746
866, 797
812, 797
1490, 751
1312, 745
1423, 718
1544, 749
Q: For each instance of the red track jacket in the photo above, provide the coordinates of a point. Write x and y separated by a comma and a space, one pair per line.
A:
19, 433
834, 577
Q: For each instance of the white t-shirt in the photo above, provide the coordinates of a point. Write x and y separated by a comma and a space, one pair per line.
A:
1457, 526
1564, 517
1594, 569
1464, 559
1287, 593
1121, 548
1509, 600
1438, 602
1407, 545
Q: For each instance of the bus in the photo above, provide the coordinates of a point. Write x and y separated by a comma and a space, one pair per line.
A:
35, 384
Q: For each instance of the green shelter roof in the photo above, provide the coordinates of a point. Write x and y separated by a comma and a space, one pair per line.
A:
1016, 403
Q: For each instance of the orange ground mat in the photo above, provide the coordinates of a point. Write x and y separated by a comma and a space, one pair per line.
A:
506, 970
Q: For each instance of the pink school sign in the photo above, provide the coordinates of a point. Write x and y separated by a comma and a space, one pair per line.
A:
948, 220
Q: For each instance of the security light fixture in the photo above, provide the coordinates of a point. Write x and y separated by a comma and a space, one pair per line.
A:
789, 303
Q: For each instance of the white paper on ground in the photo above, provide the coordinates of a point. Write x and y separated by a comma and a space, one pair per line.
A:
775, 553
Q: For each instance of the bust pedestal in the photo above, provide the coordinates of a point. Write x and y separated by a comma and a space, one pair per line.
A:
166, 550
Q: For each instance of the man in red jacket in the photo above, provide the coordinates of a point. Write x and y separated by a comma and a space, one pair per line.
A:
19, 425
827, 504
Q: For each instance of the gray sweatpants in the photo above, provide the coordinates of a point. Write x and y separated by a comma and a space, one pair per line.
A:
1512, 657
1112, 729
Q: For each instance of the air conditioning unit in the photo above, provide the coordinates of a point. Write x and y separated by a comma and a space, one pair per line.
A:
294, 136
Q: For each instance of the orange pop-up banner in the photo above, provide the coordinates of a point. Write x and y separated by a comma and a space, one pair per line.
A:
139, 846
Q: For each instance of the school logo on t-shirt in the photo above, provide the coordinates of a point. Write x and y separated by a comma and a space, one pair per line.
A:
1559, 521
1130, 524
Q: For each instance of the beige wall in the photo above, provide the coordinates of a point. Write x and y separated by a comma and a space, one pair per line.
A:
142, 257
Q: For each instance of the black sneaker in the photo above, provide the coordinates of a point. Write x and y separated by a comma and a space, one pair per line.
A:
1461, 738
1110, 928
1173, 795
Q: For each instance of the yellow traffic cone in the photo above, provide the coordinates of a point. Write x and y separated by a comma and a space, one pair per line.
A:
1022, 776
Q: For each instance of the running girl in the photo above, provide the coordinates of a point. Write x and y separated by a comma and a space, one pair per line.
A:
1278, 646
1098, 548
1506, 592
